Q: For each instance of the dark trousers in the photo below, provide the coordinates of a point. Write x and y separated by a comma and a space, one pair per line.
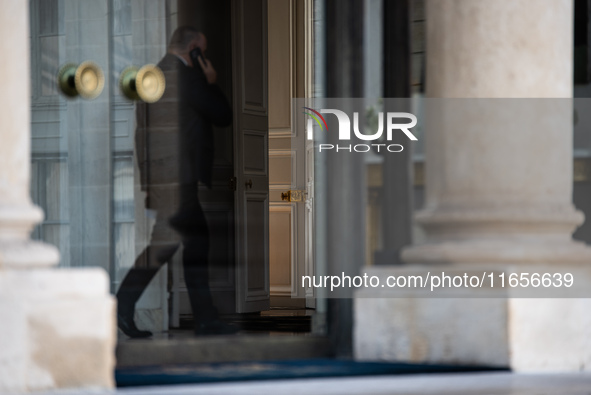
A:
195, 233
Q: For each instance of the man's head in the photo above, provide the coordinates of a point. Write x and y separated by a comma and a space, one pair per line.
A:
185, 39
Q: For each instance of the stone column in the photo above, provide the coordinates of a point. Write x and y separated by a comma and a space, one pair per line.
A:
501, 168
397, 169
499, 191
57, 326
344, 198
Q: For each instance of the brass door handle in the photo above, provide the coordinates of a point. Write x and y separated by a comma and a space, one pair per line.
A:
86, 79
146, 83
248, 184
294, 196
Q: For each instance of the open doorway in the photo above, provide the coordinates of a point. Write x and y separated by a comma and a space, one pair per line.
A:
291, 172
277, 250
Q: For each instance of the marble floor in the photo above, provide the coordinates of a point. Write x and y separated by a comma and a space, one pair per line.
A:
436, 384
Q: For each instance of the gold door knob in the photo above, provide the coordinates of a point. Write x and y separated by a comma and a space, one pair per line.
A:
146, 83
86, 79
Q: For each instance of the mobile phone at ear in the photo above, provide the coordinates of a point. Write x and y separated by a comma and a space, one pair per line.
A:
195, 54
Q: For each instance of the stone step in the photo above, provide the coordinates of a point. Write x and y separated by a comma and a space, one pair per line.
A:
211, 349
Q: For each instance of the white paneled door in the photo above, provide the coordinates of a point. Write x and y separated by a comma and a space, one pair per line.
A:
251, 154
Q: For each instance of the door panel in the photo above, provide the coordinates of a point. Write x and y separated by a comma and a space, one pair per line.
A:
255, 152
253, 17
70, 139
249, 20
132, 223
257, 246
281, 227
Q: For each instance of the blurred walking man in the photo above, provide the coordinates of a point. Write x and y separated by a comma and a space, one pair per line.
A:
174, 147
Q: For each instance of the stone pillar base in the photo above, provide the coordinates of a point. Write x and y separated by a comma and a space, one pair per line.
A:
529, 335
57, 329
522, 250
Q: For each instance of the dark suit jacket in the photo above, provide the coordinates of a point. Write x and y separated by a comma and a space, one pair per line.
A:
174, 136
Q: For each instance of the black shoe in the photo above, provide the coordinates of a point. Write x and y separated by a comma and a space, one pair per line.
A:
215, 328
127, 326
132, 287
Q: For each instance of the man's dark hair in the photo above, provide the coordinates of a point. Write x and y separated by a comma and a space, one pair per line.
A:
181, 38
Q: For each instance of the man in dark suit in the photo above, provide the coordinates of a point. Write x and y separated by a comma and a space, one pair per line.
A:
174, 148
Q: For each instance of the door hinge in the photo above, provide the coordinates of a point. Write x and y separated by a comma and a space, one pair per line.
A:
232, 183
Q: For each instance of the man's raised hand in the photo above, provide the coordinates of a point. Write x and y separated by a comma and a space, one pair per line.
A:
208, 69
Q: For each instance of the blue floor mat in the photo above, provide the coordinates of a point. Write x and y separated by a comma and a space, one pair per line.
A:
267, 370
